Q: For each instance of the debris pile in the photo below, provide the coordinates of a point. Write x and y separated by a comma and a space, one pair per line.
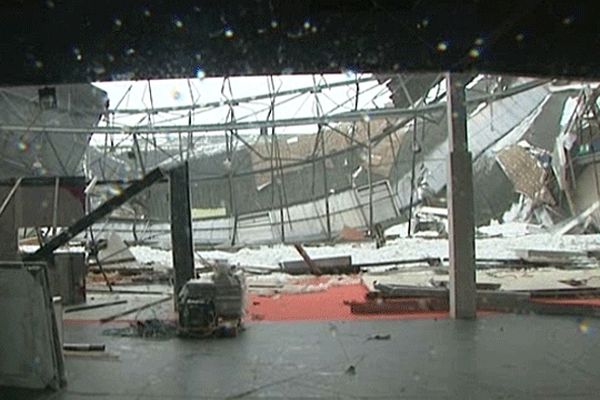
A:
149, 329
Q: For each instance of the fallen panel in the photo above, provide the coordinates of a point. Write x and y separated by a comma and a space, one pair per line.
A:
526, 172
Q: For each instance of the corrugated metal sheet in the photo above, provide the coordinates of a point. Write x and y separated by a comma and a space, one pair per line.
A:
485, 128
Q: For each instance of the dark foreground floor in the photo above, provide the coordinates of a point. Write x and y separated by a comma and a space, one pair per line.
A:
495, 357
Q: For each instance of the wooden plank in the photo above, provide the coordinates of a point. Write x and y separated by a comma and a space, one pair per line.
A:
487, 300
94, 306
432, 261
399, 306
565, 293
399, 291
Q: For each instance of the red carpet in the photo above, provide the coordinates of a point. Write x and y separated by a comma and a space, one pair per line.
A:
319, 306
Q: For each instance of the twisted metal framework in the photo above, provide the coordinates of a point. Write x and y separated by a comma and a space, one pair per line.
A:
155, 136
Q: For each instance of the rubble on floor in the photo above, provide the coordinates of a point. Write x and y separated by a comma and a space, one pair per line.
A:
511, 257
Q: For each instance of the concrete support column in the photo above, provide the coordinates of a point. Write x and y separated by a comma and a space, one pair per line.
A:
461, 221
181, 227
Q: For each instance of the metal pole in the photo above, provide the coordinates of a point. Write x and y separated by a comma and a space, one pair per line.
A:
280, 189
412, 178
232, 206
180, 146
370, 179
55, 206
10, 195
463, 295
139, 154
325, 185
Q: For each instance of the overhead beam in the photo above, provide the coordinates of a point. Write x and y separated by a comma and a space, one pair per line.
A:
350, 116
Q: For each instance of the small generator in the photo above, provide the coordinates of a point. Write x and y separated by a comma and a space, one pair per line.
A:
213, 304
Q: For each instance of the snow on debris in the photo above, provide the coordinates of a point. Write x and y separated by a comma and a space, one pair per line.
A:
148, 255
398, 249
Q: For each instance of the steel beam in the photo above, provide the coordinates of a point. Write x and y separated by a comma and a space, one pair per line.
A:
99, 213
350, 116
237, 101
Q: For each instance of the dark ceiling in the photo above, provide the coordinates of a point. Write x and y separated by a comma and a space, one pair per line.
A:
52, 41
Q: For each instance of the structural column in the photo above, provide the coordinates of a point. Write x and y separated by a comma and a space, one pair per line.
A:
181, 227
463, 294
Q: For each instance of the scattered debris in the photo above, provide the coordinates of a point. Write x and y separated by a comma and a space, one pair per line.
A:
351, 370
130, 272
402, 299
430, 222
154, 328
380, 337
575, 282
149, 329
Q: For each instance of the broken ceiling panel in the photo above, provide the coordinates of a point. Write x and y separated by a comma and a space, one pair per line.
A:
526, 172
408, 88
301, 149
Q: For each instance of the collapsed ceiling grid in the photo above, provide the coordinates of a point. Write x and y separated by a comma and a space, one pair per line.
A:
276, 145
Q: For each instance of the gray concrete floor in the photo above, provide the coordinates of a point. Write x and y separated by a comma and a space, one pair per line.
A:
494, 357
